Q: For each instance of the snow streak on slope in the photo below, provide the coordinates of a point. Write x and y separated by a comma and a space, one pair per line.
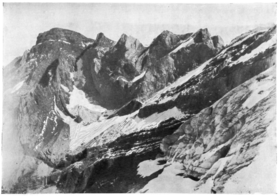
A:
139, 77
178, 82
187, 43
261, 48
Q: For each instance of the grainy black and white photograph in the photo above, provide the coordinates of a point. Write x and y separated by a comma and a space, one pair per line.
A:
139, 98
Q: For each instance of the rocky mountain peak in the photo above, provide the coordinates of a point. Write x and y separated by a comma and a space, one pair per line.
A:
103, 41
59, 34
123, 37
218, 41
166, 38
166, 33
100, 36
202, 35
129, 42
163, 43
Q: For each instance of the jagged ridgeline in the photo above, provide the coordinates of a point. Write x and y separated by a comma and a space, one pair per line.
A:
186, 114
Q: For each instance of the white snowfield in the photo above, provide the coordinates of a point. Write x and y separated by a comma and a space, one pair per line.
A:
78, 98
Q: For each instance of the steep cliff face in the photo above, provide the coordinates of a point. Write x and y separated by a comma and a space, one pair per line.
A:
32, 85
185, 102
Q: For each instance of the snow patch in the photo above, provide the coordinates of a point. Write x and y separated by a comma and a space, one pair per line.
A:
122, 78
78, 98
64, 88
64, 41
88, 43
148, 167
72, 76
44, 127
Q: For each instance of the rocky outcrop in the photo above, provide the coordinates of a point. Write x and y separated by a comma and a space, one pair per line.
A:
171, 56
58, 98
218, 42
224, 138
164, 43
230, 68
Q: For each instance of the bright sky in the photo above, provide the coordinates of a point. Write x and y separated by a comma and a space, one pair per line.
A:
24, 21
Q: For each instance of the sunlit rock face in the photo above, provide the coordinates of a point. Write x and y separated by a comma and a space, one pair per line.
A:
95, 115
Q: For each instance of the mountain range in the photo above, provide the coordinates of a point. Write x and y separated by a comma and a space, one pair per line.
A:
186, 114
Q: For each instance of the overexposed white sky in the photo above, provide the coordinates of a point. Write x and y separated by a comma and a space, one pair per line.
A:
24, 21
